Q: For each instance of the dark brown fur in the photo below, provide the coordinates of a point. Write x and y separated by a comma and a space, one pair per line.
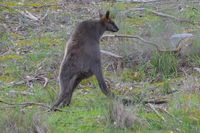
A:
82, 57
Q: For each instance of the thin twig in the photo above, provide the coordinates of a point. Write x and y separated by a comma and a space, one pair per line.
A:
7, 52
131, 36
20, 92
28, 15
26, 104
157, 113
33, 103
111, 54
46, 81
165, 111
46, 14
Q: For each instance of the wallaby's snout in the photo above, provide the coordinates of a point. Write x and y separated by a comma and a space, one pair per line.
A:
115, 28
109, 24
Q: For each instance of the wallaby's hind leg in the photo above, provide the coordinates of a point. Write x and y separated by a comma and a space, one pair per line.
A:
66, 90
67, 99
79, 78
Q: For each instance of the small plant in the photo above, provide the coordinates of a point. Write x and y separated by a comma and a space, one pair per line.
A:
17, 121
131, 76
121, 116
166, 88
195, 59
165, 63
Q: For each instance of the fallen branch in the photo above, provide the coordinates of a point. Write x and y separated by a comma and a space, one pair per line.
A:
131, 36
43, 6
48, 6
20, 92
156, 101
160, 14
178, 49
157, 113
26, 104
7, 52
28, 15
29, 79
184, 72
46, 14
117, 59
111, 54
172, 116
46, 81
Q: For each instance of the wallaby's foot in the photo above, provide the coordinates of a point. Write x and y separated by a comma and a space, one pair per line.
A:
53, 108
65, 103
127, 102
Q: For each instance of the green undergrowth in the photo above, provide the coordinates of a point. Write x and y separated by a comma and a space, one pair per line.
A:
89, 112
32, 54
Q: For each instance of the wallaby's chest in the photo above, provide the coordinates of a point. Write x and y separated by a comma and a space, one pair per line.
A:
83, 47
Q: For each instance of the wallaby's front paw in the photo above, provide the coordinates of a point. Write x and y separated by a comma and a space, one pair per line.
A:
127, 102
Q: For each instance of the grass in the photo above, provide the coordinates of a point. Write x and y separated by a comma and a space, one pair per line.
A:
37, 50
165, 63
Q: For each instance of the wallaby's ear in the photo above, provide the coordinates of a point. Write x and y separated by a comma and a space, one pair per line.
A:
100, 14
107, 14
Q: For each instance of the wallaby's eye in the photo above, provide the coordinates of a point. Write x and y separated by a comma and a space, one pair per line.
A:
110, 21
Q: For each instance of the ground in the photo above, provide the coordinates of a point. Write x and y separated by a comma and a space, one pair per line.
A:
33, 37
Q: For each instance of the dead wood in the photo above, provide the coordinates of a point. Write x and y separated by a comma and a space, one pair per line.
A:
30, 79
156, 101
157, 113
131, 36
112, 55
7, 52
116, 58
175, 51
13, 92
160, 14
170, 115
26, 104
28, 15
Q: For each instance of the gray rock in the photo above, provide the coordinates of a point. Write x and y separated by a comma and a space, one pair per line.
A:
176, 38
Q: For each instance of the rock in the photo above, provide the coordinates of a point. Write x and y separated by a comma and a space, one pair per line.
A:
176, 38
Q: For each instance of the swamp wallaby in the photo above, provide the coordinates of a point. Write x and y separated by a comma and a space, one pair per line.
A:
82, 58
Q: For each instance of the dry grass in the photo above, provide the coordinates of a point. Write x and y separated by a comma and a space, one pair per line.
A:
22, 122
191, 85
122, 116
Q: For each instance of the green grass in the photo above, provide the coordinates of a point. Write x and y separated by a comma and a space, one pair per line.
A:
165, 63
39, 50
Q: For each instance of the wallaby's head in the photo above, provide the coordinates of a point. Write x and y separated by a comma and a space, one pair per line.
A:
108, 23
